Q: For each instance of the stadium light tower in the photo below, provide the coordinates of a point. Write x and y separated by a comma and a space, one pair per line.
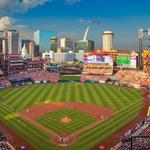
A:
143, 34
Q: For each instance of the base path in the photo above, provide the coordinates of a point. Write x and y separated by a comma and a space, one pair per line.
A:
100, 113
96, 111
115, 137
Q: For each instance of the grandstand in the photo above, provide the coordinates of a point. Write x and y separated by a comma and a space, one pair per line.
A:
133, 78
137, 138
4, 82
15, 64
4, 144
70, 69
98, 78
97, 69
37, 76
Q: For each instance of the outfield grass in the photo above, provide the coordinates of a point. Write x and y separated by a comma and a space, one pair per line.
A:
70, 77
126, 102
53, 122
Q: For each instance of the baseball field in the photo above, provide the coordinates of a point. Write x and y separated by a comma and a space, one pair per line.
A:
87, 113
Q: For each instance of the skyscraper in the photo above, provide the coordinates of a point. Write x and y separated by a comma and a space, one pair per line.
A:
66, 43
86, 45
5, 46
43, 39
53, 44
108, 40
1, 45
13, 41
31, 48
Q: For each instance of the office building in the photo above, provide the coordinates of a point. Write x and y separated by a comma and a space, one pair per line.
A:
53, 44
64, 57
63, 50
86, 45
5, 46
66, 43
13, 41
1, 45
31, 49
108, 40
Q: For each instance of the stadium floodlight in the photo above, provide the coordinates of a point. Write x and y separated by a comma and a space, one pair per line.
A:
141, 33
148, 32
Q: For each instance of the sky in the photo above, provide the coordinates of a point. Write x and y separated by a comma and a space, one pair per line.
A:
70, 18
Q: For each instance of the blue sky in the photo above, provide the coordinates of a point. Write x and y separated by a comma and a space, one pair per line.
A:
71, 17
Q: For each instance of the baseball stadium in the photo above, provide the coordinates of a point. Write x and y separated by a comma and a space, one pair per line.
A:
97, 109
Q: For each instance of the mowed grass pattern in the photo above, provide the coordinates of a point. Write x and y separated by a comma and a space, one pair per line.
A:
126, 102
52, 120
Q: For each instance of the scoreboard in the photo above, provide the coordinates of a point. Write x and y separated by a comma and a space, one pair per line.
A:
93, 58
126, 61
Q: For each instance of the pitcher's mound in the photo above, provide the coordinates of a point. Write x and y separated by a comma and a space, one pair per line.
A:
65, 120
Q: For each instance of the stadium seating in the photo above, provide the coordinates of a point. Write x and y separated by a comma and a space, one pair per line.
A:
133, 77
4, 82
100, 78
4, 145
97, 69
141, 133
38, 75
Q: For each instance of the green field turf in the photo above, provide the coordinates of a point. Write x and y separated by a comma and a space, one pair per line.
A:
52, 120
68, 77
126, 102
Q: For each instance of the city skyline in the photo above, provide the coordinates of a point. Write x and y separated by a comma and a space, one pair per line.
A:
71, 17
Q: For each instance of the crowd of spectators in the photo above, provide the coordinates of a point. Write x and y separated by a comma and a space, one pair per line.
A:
100, 78
97, 69
35, 75
133, 77
4, 145
137, 138
4, 82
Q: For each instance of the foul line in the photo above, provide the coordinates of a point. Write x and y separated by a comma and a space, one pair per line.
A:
40, 126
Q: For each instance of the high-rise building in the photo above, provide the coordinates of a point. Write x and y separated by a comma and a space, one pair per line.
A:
43, 39
86, 45
53, 44
5, 46
13, 41
1, 45
108, 40
66, 43
31, 48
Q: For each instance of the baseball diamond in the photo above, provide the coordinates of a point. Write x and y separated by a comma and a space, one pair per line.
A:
40, 109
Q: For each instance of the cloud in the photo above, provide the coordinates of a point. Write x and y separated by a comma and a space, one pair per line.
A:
72, 2
20, 6
6, 23
21, 26
90, 21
